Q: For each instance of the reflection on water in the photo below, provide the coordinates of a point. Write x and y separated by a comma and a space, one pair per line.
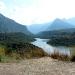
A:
42, 43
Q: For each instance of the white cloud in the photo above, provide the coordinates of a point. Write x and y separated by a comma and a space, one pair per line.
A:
2, 6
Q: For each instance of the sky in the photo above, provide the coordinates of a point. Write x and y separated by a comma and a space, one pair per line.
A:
37, 11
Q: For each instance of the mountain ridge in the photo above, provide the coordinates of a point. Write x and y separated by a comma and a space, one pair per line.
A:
9, 25
59, 24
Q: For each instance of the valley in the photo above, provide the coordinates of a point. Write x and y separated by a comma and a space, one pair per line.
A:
26, 52
37, 37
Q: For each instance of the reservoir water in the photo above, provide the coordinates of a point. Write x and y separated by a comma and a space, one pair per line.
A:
42, 43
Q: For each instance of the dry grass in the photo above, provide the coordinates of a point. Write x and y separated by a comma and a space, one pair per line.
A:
60, 56
64, 57
41, 66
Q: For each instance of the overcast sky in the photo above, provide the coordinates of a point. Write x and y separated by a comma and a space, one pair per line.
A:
37, 11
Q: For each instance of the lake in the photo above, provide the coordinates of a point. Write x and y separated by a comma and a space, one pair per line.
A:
42, 43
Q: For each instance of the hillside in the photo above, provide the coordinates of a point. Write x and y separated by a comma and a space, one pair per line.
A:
9, 25
49, 34
15, 38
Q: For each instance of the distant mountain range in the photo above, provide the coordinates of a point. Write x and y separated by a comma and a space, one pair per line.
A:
57, 24
57, 27
36, 28
9, 25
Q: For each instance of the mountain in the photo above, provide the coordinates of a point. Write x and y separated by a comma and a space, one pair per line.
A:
9, 25
57, 27
71, 20
36, 28
59, 24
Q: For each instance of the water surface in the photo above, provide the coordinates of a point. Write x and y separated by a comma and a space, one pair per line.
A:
42, 43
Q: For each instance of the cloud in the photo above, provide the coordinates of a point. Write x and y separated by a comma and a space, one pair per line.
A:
2, 6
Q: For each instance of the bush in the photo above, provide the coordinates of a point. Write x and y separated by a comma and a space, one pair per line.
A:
73, 58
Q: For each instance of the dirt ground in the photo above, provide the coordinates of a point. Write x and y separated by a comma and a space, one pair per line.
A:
41, 66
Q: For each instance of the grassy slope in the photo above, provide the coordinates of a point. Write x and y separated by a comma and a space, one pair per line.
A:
17, 46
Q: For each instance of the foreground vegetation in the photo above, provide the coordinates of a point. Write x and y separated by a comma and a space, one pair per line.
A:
16, 46
20, 51
63, 57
